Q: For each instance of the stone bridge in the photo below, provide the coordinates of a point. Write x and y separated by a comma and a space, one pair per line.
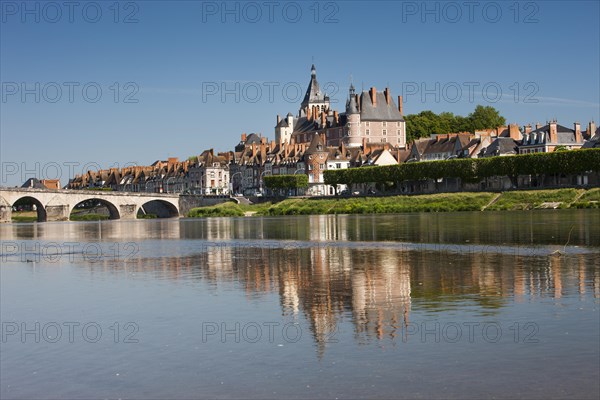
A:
56, 205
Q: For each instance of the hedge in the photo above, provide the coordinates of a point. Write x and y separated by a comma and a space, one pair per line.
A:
286, 181
472, 169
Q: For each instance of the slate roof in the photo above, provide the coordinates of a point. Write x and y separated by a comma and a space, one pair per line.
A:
381, 112
313, 92
33, 183
564, 135
501, 146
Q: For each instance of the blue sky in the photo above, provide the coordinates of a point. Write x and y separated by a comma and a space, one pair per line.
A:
162, 68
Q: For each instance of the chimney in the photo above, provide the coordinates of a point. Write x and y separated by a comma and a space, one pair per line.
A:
553, 132
244, 137
323, 119
364, 143
263, 140
323, 139
528, 128
278, 119
577, 130
400, 106
387, 96
591, 129
513, 132
272, 146
286, 149
308, 113
538, 126
374, 96
336, 117
253, 150
263, 152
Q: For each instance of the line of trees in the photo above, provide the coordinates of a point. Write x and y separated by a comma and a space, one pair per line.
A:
472, 169
427, 122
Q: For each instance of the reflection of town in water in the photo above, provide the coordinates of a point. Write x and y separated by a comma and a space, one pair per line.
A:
326, 280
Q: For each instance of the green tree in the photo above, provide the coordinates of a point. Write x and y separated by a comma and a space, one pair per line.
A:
485, 117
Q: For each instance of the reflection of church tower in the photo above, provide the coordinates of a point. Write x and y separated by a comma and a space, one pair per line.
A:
353, 115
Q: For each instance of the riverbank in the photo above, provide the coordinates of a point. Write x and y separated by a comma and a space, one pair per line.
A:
445, 202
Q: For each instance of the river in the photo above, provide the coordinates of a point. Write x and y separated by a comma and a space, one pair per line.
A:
424, 305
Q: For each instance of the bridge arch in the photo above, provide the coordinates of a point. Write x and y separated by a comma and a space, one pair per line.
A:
42, 215
94, 202
160, 208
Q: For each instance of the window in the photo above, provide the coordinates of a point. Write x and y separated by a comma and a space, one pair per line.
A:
368, 123
398, 132
383, 140
321, 166
398, 123
368, 132
338, 165
384, 123
384, 132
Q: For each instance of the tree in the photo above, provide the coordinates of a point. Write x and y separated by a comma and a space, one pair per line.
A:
427, 122
485, 117
286, 182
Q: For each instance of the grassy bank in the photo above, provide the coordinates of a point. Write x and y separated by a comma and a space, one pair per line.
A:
24, 216
88, 217
444, 202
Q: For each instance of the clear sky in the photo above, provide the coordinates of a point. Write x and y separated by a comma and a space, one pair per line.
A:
107, 84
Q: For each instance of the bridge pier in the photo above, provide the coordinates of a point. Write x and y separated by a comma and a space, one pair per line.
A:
5, 211
128, 211
58, 213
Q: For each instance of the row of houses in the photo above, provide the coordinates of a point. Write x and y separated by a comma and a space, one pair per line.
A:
505, 141
371, 131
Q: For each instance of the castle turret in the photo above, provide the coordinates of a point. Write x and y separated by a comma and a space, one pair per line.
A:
353, 124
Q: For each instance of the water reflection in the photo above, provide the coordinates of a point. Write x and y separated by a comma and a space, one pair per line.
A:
374, 289
356, 285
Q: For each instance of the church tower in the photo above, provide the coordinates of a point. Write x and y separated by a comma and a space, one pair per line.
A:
314, 97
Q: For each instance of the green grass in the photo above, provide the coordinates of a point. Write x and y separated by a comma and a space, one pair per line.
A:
383, 205
443, 202
528, 200
24, 218
228, 209
590, 199
591, 195
88, 217
146, 216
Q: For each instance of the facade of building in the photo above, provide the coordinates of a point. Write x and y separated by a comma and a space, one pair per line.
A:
545, 139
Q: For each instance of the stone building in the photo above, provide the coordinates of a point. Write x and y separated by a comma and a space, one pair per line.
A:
372, 116
545, 139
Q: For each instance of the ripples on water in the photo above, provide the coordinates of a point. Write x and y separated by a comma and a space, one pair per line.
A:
458, 305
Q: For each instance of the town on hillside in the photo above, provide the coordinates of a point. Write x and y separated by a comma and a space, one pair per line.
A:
370, 132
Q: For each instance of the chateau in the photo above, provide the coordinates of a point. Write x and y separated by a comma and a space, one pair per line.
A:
370, 117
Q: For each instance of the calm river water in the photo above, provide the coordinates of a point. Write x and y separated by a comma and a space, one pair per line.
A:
454, 305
